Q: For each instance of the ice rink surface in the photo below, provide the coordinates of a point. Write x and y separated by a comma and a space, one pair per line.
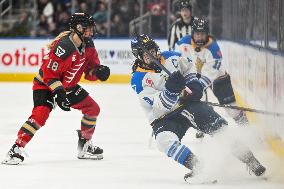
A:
123, 132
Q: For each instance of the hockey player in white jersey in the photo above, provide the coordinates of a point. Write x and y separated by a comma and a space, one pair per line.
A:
204, 53
169, 111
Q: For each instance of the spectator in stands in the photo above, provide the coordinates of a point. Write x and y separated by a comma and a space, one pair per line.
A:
158, 21
118, 27
62, 23
84, 7
100, 15
53, 14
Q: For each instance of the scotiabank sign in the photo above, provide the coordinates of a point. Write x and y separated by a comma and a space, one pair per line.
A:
21, 56
25, 55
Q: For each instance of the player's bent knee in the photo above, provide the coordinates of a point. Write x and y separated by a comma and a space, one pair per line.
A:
93, 109
165, 140
88, 107
40, 114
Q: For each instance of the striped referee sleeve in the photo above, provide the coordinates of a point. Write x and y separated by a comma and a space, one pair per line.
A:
172, 37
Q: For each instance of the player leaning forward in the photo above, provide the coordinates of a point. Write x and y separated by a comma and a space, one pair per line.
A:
204, 52
71, 54
170, 113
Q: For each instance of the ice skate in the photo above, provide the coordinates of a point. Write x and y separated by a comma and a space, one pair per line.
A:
199, 134
255, 167
241, 119
14, 156
86, 150
195, 176
253, 164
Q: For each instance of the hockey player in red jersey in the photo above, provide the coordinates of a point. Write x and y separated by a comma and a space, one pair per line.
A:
71, 55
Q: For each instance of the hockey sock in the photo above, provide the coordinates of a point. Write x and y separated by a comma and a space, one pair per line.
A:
26, 133
88, 125
38, 118
181, 154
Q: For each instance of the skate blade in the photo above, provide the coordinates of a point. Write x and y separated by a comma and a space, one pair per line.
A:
91, 157
11, 162
193, 180
213, 181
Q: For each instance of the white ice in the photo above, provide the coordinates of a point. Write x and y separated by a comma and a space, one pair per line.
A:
123, 132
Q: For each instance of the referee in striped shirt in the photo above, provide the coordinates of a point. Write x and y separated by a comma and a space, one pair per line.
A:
182, 26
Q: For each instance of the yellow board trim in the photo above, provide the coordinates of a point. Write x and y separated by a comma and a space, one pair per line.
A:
28, 77
276, 144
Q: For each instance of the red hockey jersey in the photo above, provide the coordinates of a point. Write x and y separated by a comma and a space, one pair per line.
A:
64, 65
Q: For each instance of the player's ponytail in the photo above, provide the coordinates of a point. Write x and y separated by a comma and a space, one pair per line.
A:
62, 34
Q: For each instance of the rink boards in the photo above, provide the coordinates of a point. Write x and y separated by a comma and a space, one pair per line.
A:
257, 75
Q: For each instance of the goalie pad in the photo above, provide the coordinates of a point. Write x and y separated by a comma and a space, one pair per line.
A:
223, 90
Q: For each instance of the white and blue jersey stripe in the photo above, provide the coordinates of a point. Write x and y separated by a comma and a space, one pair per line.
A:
150, 86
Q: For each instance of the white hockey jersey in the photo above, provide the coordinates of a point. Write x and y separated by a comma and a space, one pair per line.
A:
150, 86
207, 62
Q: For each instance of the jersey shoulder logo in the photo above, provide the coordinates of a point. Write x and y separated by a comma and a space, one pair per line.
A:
59, 51
149, 82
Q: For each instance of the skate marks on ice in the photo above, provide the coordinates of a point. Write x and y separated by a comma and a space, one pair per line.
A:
218, 161
128, 162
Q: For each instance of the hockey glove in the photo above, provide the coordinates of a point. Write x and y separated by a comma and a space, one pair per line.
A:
175, 84
102, 72
62, 100
197, 90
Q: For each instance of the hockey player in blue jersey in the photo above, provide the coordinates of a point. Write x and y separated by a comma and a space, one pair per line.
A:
204, 52
169, 109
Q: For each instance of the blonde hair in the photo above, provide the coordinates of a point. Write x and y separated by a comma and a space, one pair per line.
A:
62, 34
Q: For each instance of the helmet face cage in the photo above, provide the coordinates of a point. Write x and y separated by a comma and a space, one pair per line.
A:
200, 25
145, 41
83, 19
185, 4
148, 43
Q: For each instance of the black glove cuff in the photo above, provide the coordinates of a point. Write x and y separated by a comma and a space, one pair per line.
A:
102, 72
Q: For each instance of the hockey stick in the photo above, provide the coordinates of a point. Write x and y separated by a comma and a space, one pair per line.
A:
238, 107
245, 109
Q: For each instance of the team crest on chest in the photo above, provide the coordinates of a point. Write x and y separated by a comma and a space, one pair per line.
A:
59, 51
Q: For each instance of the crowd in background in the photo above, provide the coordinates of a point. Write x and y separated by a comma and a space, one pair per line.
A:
53, 17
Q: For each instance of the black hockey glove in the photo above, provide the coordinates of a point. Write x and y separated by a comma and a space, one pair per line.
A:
102, 72
197, 90
62, 100
175, 84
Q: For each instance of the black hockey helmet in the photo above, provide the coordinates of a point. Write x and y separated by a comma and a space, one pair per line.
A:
184, 4
148, 43
83, 19
200, 25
